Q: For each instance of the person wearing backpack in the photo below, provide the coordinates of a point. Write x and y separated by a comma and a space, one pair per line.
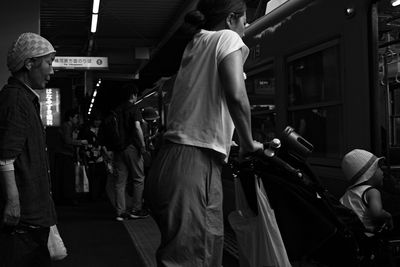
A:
124, 137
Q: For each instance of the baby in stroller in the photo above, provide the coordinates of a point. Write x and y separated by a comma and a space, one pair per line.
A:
362, 169
315, 226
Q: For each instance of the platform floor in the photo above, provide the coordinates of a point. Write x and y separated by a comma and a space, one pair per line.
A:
94, 238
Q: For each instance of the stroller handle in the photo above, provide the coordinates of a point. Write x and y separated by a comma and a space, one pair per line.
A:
275, 160
268, 155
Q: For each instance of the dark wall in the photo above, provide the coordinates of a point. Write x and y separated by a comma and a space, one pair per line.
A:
16, 17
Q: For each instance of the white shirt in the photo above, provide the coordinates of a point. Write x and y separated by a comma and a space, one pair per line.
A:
198, 114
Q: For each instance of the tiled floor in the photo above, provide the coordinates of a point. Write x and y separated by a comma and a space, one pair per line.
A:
146, 238
93, 238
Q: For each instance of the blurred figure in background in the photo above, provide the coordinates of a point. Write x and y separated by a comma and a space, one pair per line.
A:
94, 157
208, 101
151, 134
65, 159
26, 205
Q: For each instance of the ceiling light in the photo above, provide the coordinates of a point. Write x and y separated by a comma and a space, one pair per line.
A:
395, 2
96, 4
94, 22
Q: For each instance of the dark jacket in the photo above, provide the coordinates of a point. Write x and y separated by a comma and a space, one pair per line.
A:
22, 137
130, 114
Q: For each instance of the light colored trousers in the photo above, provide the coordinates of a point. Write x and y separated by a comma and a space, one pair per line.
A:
184, 191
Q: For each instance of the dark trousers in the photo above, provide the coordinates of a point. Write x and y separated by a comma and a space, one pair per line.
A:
64, 179
24, 248
97, 175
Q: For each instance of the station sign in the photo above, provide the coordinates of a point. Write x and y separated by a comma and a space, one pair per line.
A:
49, 100
80, 63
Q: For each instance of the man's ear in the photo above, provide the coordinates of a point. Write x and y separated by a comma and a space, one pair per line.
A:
28, 63
230, 20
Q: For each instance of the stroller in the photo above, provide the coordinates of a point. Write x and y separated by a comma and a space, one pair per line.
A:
314, 225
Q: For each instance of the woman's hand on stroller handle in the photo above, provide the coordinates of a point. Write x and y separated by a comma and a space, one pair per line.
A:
256, 148
267, 152
261, 149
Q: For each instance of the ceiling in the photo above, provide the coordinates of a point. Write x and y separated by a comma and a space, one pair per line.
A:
123, 26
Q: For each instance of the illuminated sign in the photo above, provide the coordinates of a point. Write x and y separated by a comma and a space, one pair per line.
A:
80, 63
49, 99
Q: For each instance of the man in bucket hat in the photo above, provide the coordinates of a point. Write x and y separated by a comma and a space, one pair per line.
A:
361, 168
26, 206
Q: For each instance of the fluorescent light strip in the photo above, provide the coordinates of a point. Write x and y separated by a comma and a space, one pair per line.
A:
94, 22
96, 4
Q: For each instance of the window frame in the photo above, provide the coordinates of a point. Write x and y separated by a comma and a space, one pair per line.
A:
326, 160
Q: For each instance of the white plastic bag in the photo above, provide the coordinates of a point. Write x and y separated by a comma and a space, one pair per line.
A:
258, 237
56, 246
81, 179
269, 230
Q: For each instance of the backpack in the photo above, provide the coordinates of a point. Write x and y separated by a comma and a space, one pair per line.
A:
112, 131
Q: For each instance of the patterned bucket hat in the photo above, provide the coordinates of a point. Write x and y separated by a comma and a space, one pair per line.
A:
27, 45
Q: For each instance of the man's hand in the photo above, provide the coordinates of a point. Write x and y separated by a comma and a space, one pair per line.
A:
12, 213
8, 187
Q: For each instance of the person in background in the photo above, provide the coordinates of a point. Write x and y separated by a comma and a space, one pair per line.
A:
361, 168
65, 158
93, 157
151, 133
209, 100
26, 205
128, 159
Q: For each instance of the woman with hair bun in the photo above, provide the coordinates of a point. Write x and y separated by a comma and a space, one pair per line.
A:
208, 102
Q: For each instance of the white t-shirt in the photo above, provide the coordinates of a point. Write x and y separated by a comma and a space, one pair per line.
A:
198, 114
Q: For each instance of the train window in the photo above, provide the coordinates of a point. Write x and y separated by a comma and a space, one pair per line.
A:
260, 85
263, 123
389, 77
321, 127
395, 116
315, 78
314, 98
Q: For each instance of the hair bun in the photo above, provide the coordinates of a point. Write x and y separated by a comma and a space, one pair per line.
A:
195, 18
